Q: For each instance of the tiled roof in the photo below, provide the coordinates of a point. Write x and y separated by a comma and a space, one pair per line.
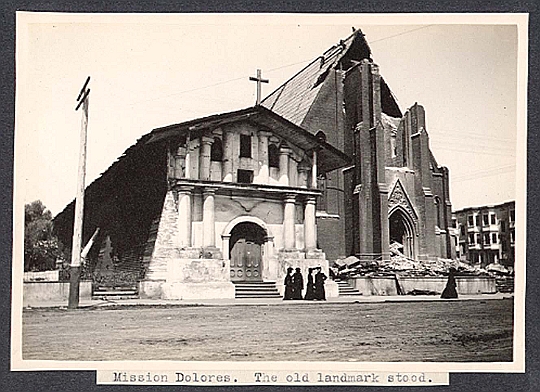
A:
293, 99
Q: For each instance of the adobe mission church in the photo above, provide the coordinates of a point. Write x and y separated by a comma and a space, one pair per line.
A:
326, 166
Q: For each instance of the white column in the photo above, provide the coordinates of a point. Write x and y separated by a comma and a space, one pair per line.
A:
293, 171
227, 167
204, 158
264, 169
284, 152
194, 149
209, 222
225, 243
303, 176
180, 162
184, 217
310, 224
314, 170
269, 242
289, 235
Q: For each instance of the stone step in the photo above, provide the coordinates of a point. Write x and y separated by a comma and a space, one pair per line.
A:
115, 292
256, 290
346, 290
114, 297
259, 295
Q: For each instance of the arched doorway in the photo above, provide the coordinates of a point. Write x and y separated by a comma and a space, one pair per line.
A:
246, 252
402, 232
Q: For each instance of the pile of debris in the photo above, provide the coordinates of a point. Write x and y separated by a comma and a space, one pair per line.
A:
401, 265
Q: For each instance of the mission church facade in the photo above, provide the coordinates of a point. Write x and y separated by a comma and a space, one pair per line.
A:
326, 166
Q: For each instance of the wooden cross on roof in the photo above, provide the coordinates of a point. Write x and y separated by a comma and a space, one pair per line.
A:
259, 80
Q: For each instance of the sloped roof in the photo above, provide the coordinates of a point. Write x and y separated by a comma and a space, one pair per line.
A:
293, 99
330, 158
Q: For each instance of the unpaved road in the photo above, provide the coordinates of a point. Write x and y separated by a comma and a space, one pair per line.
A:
424, 331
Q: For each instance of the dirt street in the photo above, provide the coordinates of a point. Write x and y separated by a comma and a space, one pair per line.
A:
428, 331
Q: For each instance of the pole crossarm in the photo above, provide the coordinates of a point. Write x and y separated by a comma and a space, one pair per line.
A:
75, 266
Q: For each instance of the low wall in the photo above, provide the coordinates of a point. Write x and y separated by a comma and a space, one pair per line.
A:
35, 293
39, 276
383, 285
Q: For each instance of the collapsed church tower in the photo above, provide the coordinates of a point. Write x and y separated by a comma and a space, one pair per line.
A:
394, 192
326, 166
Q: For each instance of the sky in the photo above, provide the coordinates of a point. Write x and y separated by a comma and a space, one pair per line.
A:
149, 71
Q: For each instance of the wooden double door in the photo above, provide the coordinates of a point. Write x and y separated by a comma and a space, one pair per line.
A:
246, 252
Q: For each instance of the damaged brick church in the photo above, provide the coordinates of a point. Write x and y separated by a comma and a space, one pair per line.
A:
324, 167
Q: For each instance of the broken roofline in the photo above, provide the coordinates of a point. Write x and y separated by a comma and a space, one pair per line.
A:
339, 51
331, 157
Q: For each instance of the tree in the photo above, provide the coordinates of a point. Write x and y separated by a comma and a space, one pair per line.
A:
41, 247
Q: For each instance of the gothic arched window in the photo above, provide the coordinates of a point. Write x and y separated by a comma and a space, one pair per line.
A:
216, 153
438, 209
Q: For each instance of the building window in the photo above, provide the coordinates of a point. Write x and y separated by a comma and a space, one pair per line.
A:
477, 220
471, 221
493, 238
471, 239
462, 231
245, 176
486, 239
493, 219
245, 146
512, 215
503, 226
273, 155
216, 153
512, 236
454, 223
486, 219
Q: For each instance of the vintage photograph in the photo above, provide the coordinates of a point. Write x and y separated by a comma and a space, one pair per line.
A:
270, 188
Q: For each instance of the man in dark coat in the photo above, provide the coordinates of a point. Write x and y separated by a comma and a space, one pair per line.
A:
298, 283
450, 289
320, 277
289, 288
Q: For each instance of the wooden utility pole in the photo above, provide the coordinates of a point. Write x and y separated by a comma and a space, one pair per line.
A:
75, 267
259, 81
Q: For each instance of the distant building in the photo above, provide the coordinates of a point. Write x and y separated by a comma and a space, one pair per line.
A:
486, 234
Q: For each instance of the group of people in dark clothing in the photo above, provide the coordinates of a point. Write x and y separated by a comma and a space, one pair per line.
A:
294, 284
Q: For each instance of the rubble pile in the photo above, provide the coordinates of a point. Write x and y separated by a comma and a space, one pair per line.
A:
401, 265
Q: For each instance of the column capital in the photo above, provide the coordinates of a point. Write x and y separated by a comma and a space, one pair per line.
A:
209, 191
181, 151
285, 150
264, 133
289, 197
207, 140
184, 189
302, 167
310, 199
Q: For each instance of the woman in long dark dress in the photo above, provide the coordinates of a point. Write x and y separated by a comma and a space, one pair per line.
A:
310, 287
289, 289
450, 289
298, 283
320, 277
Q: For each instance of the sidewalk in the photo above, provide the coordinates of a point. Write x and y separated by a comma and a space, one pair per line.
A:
93, 304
